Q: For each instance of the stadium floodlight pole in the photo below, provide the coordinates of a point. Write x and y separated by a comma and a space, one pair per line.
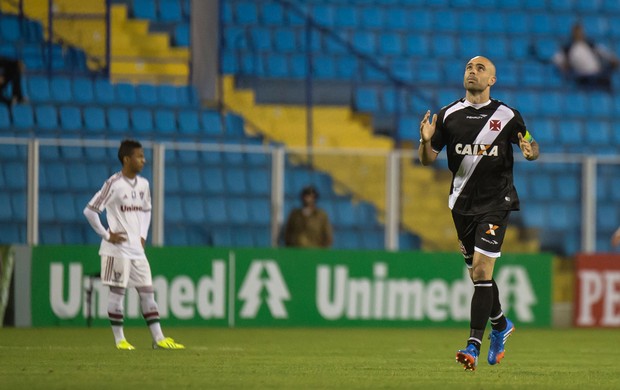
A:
159, 159
32, 220
588, 205
277, 193
392, 191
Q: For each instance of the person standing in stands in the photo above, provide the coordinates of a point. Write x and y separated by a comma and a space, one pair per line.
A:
126, 198
591, 65
308, 226
11, 74
478, 132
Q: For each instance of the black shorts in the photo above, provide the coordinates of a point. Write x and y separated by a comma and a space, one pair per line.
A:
482, 233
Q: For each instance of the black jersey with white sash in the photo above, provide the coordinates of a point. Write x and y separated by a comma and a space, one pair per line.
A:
478, 140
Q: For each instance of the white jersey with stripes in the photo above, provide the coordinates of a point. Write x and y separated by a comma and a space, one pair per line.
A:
125, 202
478, 139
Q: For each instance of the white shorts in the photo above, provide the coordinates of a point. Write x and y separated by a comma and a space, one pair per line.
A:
121, 272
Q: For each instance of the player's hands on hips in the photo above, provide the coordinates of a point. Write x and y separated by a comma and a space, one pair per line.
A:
427, 128
526, 148
143, 241
117, 238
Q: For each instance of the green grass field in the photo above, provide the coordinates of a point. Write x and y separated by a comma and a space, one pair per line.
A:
304, 359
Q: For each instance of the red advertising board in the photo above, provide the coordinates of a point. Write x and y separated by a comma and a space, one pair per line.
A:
597, 300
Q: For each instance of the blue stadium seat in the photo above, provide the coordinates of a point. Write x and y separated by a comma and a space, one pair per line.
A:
348, 239
259, 181
187, 96
165, 122
366, 99
285, 40
598, 133
23, 117
246, 13
70, 118
146, 94
19, 205
125, 94
118, 119
324, 67
272, 14
10, 29
194, 209
60, 88
277, 66
260, 210
390, 44
94, 120
173, 211
145, 9
216, 210
238, 211
189, 178
82, 90
46, 117
234, 126
181, 35
56, 176
370, 18
222, 237
600, 104
571, 132
188, 122
9, 234
104, 91
243, 237
345, 16
64, 207
78, 177
345, 213
170, 11
32, 56
322, 15
421, 20
168, 95
235, 181
443, 46
212, 123
364, 42
38, 89
543, 190
568, 188
141, 120
5, 118
213, 178
6, 211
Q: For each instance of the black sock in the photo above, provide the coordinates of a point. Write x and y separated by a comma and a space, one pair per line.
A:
497, 318
481, 304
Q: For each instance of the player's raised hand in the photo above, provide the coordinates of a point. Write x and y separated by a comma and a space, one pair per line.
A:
117, 238
526, 148
427, 128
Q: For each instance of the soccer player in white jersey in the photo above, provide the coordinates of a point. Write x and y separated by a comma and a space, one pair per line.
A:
127, 200
478, 132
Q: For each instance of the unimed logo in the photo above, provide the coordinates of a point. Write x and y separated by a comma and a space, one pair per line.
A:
339, 295
599, 298
180, 296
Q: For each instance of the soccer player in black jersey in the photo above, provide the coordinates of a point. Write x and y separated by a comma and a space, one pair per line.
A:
478, 133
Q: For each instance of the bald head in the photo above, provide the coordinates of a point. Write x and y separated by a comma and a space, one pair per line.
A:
479, 77
485, 62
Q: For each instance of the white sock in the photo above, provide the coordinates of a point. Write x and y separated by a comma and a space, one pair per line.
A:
115, 314
150, 311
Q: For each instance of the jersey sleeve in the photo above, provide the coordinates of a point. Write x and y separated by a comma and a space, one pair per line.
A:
438, 141
147, 198
99, 202
519, 127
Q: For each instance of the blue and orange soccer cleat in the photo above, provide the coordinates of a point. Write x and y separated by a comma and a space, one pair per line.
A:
468, 357
498, 340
